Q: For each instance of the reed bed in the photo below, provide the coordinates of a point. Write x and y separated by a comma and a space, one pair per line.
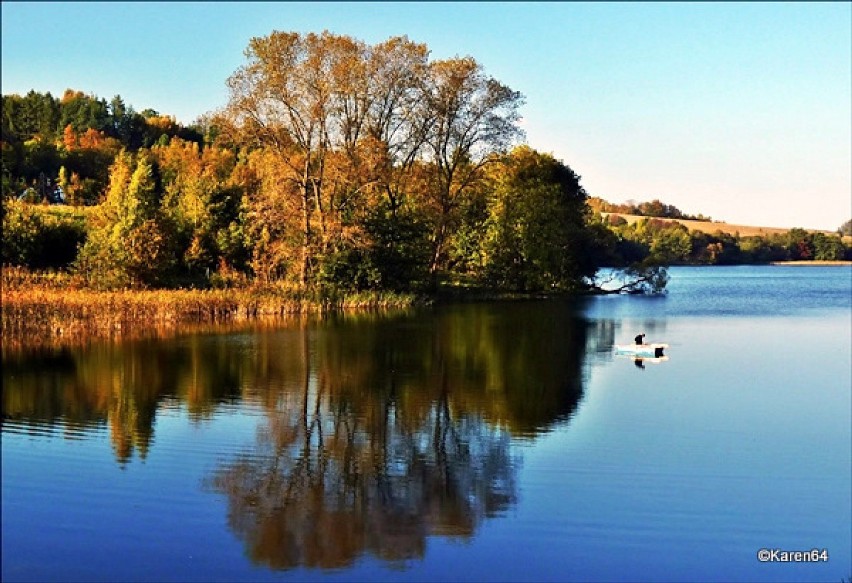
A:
43, 308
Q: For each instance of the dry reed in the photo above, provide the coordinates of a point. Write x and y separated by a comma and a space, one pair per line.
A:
44, 308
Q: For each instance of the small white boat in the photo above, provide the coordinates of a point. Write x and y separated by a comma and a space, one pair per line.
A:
654, 350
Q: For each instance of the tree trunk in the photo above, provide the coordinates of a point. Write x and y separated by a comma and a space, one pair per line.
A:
306, 225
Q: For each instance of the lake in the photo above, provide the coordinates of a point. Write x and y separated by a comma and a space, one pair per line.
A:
479, 441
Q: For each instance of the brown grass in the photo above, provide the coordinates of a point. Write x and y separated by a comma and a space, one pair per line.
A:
52, 309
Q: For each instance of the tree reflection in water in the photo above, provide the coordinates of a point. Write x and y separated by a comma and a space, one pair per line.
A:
121, 385
379, 430
320, 489
400, 430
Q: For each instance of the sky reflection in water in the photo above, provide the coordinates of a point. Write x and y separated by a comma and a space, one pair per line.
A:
487, 441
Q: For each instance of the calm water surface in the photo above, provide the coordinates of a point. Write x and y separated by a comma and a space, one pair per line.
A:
467, 442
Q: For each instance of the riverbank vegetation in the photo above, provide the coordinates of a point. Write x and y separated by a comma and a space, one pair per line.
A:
335, 167
57, 307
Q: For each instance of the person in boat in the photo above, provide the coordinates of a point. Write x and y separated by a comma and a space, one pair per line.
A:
640, 339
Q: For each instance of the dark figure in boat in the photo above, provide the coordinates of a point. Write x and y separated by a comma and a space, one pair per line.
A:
640, 339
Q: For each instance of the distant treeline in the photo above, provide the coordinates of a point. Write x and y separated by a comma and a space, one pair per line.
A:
72, 141
654, 208
666, 242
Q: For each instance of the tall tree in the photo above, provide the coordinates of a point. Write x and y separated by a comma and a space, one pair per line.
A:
280, 100
395, 120
363, 133
472, 116
342, 118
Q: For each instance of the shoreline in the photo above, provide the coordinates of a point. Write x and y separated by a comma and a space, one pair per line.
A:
49, 313
35, 317
812, 262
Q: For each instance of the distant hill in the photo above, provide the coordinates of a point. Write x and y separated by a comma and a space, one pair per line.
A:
711, 227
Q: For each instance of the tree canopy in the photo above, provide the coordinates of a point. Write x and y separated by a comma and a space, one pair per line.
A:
336, 166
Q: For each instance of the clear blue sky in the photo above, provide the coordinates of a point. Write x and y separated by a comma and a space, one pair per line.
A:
739, 111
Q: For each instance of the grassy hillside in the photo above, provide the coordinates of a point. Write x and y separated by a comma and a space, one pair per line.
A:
711, 227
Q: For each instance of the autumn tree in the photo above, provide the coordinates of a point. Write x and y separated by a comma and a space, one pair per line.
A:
69, 138
367, 137
87, 158
131, 241
280, 100
82, 132
382, 124
203, 204
471, 116
397, 122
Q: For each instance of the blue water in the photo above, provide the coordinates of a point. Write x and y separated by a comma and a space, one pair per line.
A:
498, 441
742, 290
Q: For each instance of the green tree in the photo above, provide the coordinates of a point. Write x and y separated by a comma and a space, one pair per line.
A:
800, 245
40, 159
83, 112
828, 247
37, 238
125, 124
535, 236
203, 203
670, 246
34, 114
759, 249
22, 225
